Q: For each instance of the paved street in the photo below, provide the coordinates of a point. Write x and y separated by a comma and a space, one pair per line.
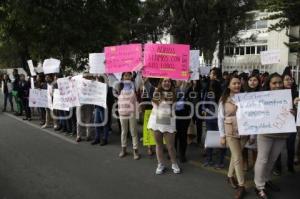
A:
36, 164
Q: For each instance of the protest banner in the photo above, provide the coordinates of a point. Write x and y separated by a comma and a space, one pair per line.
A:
204, 71
212, 140
31, 83
148, 135
39, 68
92, 92
96, 63
38, 98
194, 65
124, 58
31, 68
298, 114
68, 91
51, 66
167, 61
59, 102
266, 112
270, 57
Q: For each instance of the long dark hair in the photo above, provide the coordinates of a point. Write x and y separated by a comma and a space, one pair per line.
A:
158, 93
294, 85
267, 82
247, 87
226, 92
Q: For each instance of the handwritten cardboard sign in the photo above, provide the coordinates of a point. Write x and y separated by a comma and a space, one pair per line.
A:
124, 58
92, 92
266, 112
167, 61
68, 91
38, 98
194, 64
51, 66
59, 102
96, 63
270, 57
31, 68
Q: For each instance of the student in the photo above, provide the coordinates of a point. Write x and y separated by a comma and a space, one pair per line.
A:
7, 89
252, 85
48, 117
211, 97
227, 123
24, 96
84, 115
288, 83
101, 119
15, 92
146, 97
163, 124
41, 84
127, 103
269, 147
183, 118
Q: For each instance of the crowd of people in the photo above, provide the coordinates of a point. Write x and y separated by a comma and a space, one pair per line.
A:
162, 96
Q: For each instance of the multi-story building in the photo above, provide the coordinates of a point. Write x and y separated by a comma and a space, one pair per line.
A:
245, 55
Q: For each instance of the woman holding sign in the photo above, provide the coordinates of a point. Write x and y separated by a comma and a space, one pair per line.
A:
127, 102
163, 124
227, 123
288, 83
269, 147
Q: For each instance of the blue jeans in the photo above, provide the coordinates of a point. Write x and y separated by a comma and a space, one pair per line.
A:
212, 125
8, 96
99, 119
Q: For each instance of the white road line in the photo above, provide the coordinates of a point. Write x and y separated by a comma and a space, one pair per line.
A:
45, 130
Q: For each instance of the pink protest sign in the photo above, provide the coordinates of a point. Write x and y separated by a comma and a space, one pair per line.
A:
167, 60
124, 58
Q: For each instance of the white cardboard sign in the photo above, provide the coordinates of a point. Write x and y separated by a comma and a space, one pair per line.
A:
266, 112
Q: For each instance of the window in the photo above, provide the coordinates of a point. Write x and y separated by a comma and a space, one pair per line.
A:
237, 50
261, 48
242, 50
258, 25
250, 50
262, 24
229, 51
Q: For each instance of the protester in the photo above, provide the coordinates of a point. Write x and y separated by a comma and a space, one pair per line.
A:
253, 85
227, 123
24, 87
269, 147
127, 104
7, 89
163, 124
211, 97
288, 83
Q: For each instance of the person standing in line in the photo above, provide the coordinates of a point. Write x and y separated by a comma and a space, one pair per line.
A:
7, 89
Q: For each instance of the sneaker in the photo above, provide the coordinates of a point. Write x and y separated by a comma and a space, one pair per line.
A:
45, 126
176, 168
261, 193
160, 169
